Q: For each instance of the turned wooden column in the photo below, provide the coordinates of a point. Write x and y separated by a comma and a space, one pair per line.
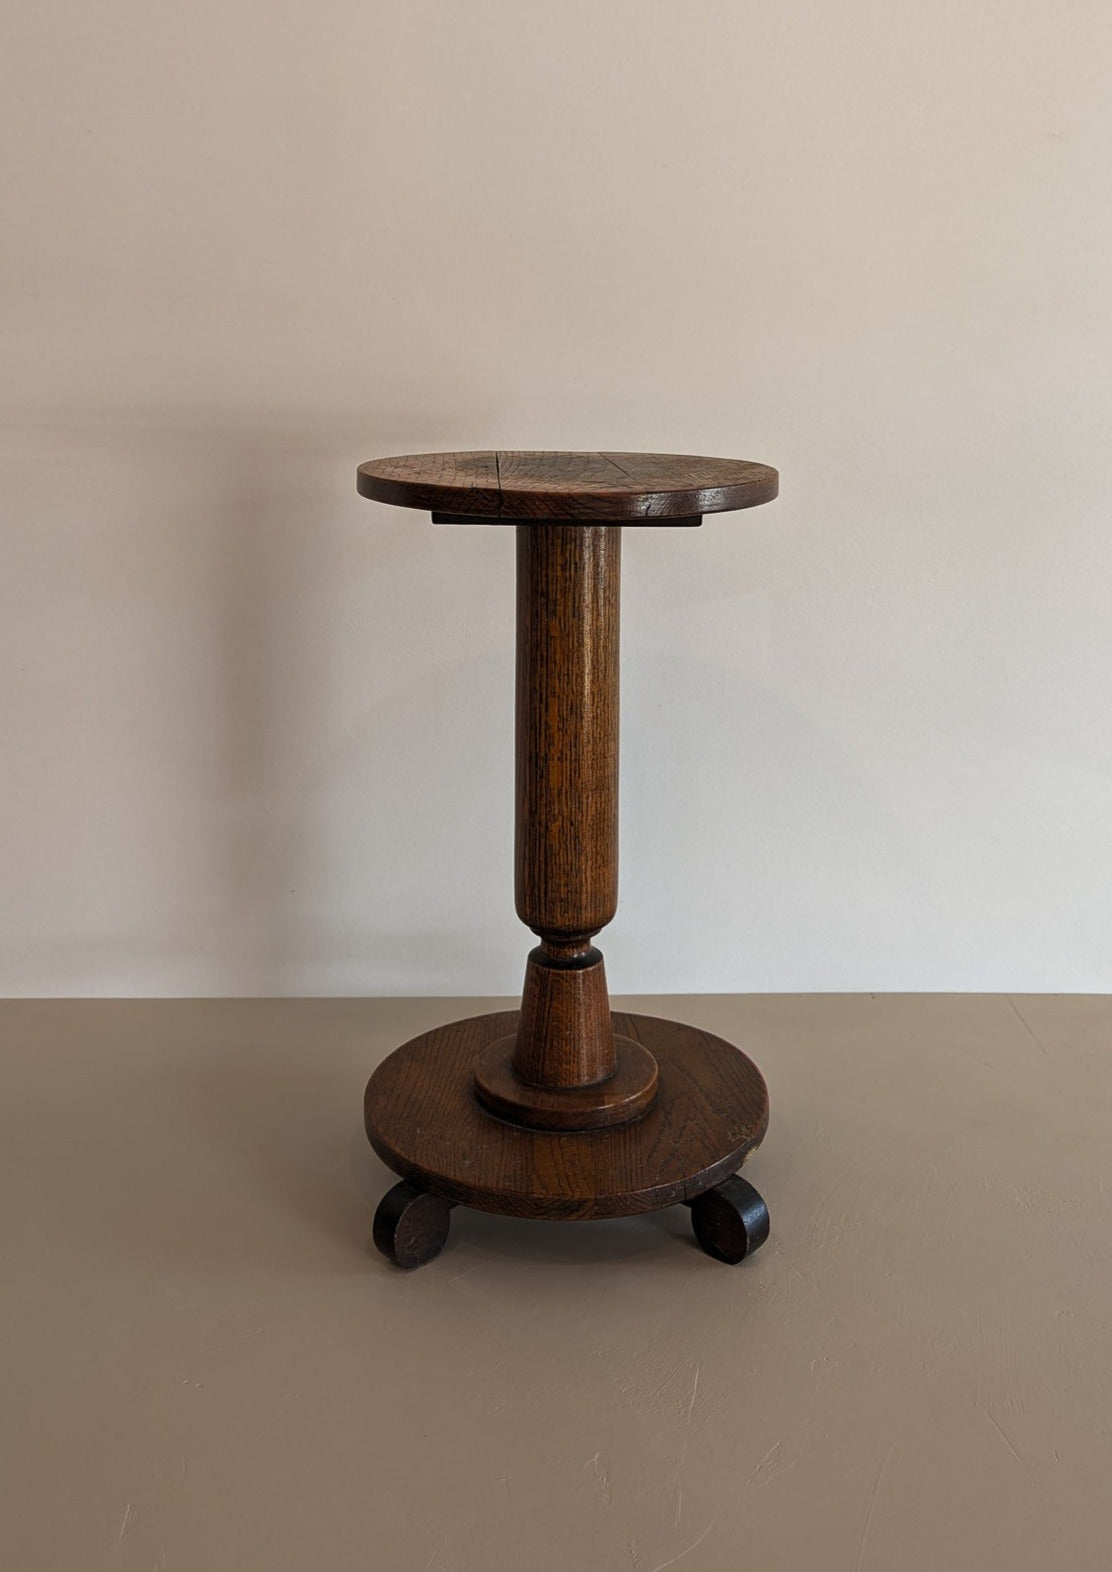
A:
565, 1069
566, 829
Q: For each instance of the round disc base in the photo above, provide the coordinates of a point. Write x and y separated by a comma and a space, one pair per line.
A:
425, 1122
625, 1096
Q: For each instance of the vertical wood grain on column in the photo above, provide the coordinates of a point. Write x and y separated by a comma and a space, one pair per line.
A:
566, 835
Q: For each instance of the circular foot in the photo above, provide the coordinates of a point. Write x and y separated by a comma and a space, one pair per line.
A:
411, 1226
730, 1221
624, 1097
426, 1123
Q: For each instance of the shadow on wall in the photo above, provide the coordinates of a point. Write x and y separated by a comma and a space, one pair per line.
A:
261, 732
208, 739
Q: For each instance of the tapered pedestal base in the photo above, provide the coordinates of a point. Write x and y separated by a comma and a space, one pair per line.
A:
623, 1097
426, 1123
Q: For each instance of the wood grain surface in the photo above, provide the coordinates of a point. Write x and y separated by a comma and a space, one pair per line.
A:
573, 486
565, 1035
625, 1094
566, 823
566, 831
424, 1121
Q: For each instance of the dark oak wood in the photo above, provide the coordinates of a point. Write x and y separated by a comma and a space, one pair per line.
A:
455, 482
566, 832
562, 1110
411, 1226
580, 487
504, 520
565, 1037
424, 1121
565, 1069
730, 1221
623, 1096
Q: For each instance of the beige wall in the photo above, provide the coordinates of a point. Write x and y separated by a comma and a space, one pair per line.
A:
257, 732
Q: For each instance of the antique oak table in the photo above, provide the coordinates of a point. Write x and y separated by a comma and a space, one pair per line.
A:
562, 1110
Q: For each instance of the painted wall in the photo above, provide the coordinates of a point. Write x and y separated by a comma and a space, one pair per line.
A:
257, 732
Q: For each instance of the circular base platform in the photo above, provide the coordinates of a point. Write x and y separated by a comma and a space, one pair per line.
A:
425, 1122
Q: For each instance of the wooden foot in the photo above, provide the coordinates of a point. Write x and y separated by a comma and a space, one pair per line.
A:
730, 1221
411, 1226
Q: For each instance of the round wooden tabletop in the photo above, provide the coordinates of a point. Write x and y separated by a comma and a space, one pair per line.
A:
578, 487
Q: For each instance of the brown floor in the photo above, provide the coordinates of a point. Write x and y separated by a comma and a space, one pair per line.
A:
203, 1370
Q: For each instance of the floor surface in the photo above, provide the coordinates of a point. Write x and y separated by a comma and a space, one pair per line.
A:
203, 1369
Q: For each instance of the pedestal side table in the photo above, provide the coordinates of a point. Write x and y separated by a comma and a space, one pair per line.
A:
563, 1110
